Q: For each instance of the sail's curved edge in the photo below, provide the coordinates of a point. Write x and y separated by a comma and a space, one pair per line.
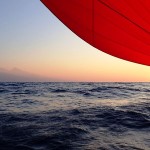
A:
98, 22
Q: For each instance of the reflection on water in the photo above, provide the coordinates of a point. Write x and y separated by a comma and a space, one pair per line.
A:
45, 116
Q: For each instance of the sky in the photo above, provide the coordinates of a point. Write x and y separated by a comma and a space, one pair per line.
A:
32, 39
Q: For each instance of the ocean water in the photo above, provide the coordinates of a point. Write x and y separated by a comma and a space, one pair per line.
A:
74, 116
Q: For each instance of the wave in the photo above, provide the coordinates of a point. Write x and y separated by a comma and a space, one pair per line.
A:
80, 116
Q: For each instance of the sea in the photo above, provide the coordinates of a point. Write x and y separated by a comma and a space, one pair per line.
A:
74, 116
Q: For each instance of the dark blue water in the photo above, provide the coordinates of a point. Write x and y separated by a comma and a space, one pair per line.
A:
74, 116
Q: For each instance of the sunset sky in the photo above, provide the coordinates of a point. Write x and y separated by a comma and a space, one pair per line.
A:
34, 40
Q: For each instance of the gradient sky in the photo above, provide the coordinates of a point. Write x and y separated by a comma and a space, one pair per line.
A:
34, 40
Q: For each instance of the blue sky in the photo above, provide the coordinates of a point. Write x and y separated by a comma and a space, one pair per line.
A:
34, 40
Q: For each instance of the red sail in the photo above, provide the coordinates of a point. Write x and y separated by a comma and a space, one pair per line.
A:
118, 27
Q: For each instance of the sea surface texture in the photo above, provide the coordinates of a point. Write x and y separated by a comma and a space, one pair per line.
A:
74, 116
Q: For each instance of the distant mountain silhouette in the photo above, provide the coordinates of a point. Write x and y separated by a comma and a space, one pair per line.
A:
18, 75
